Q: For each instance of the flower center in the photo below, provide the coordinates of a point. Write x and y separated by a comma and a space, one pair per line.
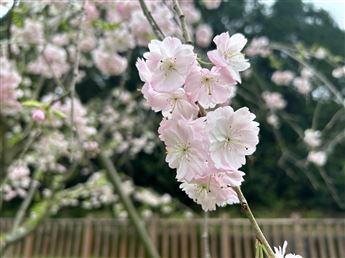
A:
168, 65
228, 55
208, 81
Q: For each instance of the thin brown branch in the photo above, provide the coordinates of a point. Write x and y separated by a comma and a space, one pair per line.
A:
157, 31
182, 18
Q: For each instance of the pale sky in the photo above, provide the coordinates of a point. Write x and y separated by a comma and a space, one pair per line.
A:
336, 8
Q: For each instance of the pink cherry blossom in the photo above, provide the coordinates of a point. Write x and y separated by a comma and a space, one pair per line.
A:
169, 62
9, 81
282, 77
165, 19
91, 11
302, 85
319, 158
191, 13
233, 135
176, 104
203, 35
52, 62
209, 87
320, 53
312, 137
228, 55
210, 192
274, 100
212, 4
307, 73
339, 72
186, 147
258, 46
38, 115
172, 104
113, 64
31, 33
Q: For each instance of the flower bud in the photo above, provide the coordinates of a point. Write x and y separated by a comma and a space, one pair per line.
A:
38, 115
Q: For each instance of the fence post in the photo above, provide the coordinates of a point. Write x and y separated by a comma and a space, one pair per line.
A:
153, 230
298, 232
28, 246
87, 242
225, 252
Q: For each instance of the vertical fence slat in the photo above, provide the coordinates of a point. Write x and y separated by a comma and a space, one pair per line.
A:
53, 241
311, 240
193, 239
321, 240
174, 242
132, 243
331, 240
153, 231
237, 241
165, 239
115, 228
248, 243
298, 236
225, 251
38, 241
46, 238
78, 239
340, 231
213, 241
61, 238
28, 247
123, 241
106, 233
87, 241
275, 235
184, 240
97, 239
70, 237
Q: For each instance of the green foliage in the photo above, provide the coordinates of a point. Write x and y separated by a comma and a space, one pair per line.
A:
105, 26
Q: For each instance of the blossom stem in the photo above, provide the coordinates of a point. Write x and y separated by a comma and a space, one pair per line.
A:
205, 237
75, 74
158, 32
182, 18
27, 201
138, 224
332, 190
248, 213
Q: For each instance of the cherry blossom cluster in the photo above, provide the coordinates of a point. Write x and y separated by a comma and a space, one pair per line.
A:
9, 82
18, 181
339, 72
97, 192
312, 138
207, 151
259, 46
108, 31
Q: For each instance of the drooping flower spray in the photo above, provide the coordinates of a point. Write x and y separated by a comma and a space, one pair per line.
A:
206, 140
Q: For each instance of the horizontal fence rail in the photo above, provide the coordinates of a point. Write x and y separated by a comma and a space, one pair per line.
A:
177, 238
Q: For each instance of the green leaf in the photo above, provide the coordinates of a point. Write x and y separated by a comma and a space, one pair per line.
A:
32, 103
59, 114
99, 24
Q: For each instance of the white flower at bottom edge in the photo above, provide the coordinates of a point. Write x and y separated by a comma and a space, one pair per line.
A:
280, 252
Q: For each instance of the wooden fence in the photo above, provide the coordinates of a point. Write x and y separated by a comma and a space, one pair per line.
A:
178, 238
